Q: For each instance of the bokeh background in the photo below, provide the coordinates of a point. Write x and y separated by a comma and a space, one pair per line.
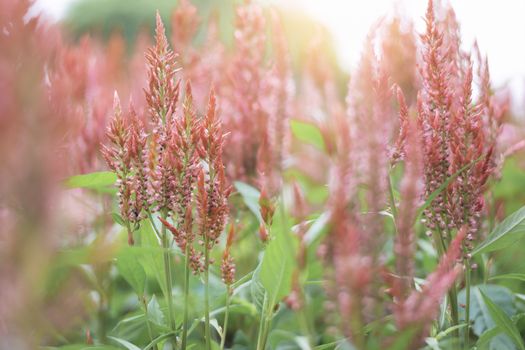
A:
497, 26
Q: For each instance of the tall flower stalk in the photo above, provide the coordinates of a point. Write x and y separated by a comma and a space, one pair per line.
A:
212, 196
458, 138
228, 277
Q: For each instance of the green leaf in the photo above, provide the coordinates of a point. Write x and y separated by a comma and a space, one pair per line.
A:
479, 313
153, 261
159, 339
308, 132
403, 339
118, 219
318, 228
508, 232
155, 315
487, 336
279, 259
128, 265
125, 343
503, 321
250, 195
509, 276
92, 180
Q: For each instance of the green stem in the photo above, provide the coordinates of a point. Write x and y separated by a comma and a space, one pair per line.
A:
226, 315
145, 306
167, 272
452, 294
207, 332
303, 319
467, 303
392, 200
186, 296
261, 343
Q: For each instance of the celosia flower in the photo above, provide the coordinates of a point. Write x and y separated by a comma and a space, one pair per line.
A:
162, 97
228, 264
420, 309
212, 188
118, 157
410, 192
458, 134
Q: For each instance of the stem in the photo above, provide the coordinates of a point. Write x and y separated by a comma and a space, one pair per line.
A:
260, 342
303, 319
207, 332
392, 200
467, 303
167, 272
145, 305
452, 294
186, 295
226, 315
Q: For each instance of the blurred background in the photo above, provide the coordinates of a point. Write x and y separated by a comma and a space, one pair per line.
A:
497, 26
69, 239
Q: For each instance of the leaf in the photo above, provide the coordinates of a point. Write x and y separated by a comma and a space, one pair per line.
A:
279, 259
128, 265
92, 180
155, 315
509, 276
152, 261
257, 290
403, 339
159, 339
125, 343
479, 313
250, 195
505, 234
487, 336
318, 228
308, 133
503, 321
118, 219
449, 330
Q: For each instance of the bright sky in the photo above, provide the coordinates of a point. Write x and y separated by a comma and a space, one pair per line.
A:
497, 25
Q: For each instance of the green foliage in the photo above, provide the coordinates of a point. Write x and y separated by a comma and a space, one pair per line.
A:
129, 267
502, 321
308, 133
479, 313
507, 233
95, 181
279, 259
250, 196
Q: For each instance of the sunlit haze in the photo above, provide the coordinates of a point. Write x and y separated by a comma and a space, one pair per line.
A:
496, 25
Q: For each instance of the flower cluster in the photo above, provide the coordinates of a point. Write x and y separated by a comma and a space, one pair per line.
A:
212, 188
122, 157
459, 134
176, 166
228, 264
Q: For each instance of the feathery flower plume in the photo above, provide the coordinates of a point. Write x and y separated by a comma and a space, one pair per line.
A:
212, 188
118, 158
228, 264
184, 148
457, 132
277, 89
420, 309
410, 191
162, 92
357, 235
244, 101
161, 96
398, 151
